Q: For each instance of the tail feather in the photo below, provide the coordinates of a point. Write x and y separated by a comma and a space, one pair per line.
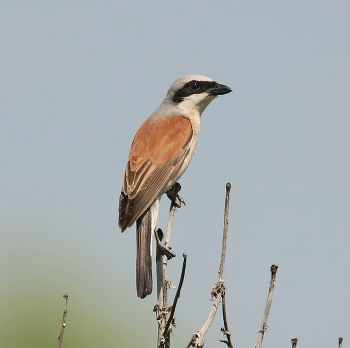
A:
145, 226
143, 259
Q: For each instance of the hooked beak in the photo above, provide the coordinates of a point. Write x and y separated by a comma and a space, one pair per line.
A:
219, 90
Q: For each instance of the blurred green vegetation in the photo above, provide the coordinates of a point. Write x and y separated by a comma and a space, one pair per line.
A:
31, 313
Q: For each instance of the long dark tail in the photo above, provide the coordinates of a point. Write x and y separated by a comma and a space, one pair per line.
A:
143, 259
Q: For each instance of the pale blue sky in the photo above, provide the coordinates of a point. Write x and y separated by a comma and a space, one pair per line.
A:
77, 80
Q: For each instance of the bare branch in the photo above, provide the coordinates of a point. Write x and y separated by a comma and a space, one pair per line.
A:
218, 292
163, 283
63, 326
264, 324
294, 341
197, 338
161, 247
225, 329
340, 342
225, 231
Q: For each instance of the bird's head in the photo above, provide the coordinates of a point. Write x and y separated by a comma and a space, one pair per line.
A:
193, 93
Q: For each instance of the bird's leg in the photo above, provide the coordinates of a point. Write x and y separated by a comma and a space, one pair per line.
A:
165, 250
173, 195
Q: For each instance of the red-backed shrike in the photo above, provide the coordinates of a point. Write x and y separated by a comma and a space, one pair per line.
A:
159, 154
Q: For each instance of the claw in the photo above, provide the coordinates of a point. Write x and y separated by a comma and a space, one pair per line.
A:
173, 195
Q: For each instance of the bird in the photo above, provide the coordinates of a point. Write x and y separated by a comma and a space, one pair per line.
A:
160, 153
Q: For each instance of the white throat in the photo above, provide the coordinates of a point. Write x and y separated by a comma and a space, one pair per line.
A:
196, 103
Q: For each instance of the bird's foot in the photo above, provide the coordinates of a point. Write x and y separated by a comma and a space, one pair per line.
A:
173, 195
164, 249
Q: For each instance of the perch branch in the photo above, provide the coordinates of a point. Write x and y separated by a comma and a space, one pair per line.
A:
163, 282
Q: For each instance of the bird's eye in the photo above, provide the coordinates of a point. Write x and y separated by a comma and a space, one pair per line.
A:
195, 86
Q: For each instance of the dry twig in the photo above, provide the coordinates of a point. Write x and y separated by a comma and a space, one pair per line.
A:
264, 324
63, 326
225, 329
218, 292
177, 296
294, 341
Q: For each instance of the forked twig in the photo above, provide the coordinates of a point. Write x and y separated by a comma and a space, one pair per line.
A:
264, 324
218, 292
63, 326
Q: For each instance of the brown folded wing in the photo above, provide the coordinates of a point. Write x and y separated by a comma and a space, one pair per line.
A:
156, 157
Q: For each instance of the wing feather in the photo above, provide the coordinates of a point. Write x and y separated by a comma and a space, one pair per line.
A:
156, 158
